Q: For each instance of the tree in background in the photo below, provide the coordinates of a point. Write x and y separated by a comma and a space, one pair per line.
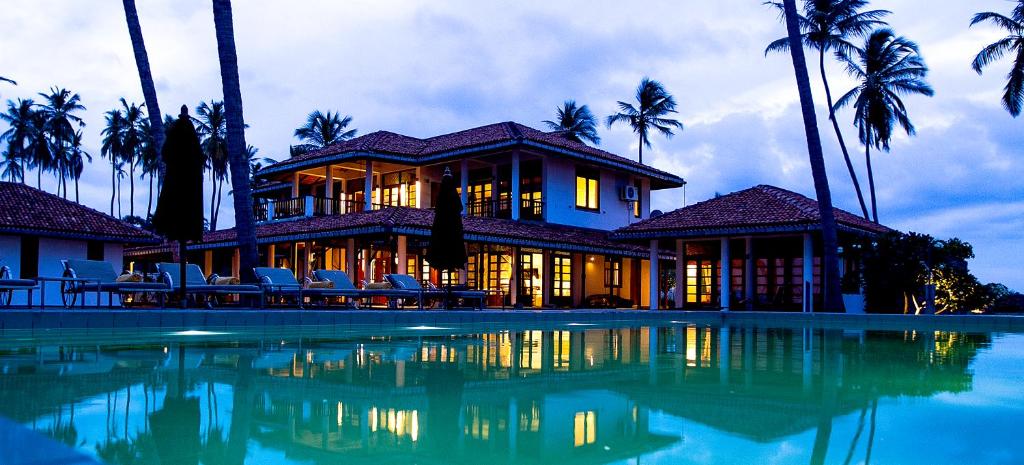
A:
828, 26
23, 132
322, 130
654, 104
888, 67
60, 120
133, 139
211, 124
245, 223
575, 123
77, 158
1013, 43
112, 148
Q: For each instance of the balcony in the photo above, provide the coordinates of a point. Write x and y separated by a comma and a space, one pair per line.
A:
304, 207
531, 210
309, 207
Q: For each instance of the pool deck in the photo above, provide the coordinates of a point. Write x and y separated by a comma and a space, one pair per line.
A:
13, 321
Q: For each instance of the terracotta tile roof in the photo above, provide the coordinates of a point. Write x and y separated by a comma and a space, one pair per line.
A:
417, 222
413, 150
26, 210
758, 209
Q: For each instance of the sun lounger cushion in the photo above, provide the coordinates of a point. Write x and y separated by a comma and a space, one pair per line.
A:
130, 278
227, 281
339, 278
403, 281
93, 269
278, 277
380, 285
321, 285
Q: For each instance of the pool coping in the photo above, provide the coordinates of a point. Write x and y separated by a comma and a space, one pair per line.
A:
100, 320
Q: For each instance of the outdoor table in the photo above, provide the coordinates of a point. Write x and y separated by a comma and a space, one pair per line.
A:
42, 280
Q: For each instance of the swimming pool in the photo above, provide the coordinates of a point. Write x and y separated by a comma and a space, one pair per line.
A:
571, 393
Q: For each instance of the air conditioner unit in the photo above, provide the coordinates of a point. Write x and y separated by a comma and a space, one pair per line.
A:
630, 194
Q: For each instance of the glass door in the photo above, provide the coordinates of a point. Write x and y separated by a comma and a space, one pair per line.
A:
531, 282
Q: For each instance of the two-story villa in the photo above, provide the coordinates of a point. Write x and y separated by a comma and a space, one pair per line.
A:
539, 209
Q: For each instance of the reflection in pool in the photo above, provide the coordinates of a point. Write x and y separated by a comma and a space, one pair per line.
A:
679, 394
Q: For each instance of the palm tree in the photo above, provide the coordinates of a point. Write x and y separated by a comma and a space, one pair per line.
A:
212, 128
653, 104
1013, 97
59, 113
575, 123
828, 26
830, 241
11, 165
77, 158
133, 140
245, 224
113, 148
11, 81
322, 130
120, 173
22, 131
256, 163
156, 127
149, 157
889, 66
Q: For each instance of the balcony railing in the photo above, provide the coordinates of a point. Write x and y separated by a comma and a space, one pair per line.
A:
309, 206
502, 208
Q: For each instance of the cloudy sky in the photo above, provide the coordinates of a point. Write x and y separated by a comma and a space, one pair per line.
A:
426, 68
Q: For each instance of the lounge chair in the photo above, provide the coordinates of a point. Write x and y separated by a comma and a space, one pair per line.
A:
281, 282
402, 281
393, 295
8, 285
198, 285
100, 277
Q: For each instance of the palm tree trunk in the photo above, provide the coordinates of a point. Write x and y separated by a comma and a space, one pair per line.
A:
131, 187
833, 292
213, 201
156, 122
245, 226
113, 184
76, 191
871, 182
220, 194
39, 177
839, 135
640, 157
149, 203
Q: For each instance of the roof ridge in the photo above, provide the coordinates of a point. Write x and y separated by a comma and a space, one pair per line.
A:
794, 199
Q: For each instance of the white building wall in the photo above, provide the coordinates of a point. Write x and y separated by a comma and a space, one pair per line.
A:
560, 198
51, 252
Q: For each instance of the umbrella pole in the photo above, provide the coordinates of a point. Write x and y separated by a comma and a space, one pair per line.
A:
181, 270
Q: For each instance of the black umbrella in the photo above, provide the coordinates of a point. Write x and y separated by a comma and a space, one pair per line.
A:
447, 250
179, 211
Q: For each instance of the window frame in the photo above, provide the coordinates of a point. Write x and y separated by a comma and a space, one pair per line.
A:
588, 175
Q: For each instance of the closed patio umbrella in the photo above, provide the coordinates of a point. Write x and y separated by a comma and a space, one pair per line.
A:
447, 251
179, 210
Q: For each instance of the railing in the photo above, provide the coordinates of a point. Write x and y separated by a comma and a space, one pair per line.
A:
502, 208
530, 209
309, 206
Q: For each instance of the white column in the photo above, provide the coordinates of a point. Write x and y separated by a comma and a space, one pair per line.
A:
368, 187
418, 182
350, 258
748, 272
725, 278
402, 254
653, 274
680, 294
367, 263
295, 185
344, 206
464, 174
329, 194
516, 201
808, 282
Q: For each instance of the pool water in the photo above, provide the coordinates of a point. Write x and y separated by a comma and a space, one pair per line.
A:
566, 395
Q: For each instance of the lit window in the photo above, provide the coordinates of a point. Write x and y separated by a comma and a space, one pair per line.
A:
562, 276
584, 428
636, 204
613, 272
587, 189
